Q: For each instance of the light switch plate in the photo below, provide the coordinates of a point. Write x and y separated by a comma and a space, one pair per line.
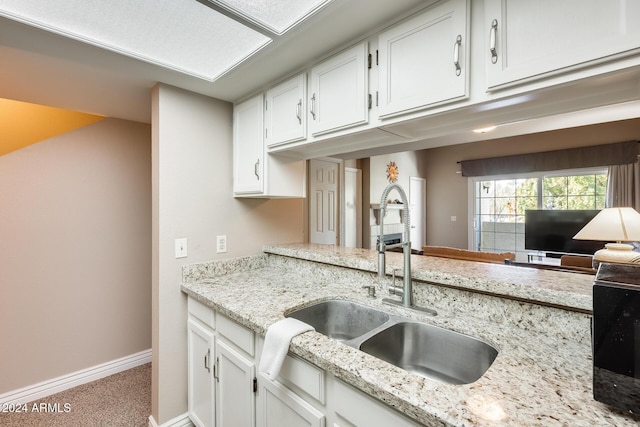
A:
181, 248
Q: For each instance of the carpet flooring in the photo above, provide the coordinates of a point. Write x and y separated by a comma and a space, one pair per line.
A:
122, 399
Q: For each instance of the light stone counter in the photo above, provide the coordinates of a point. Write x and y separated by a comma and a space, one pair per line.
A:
562, 289
537, 379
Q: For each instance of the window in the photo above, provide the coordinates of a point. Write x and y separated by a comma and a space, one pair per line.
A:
500, 204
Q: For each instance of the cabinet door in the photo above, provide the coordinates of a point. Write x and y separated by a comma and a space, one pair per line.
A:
248, 147
285, 112
235, 374
279, 406
354, 408
423, 61
200, 379
338, 89
530, 39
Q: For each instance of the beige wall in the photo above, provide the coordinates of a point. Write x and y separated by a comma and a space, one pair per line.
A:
192, 198
408, 163
447, 191
75, 251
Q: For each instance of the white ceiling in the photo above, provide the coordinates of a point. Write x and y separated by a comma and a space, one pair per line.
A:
104, 57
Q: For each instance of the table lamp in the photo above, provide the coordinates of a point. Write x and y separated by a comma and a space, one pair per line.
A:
614, 224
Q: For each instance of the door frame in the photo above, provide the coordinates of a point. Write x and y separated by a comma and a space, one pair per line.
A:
343, 207
340, 201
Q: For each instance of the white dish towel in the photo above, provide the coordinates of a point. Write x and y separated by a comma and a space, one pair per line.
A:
276, 344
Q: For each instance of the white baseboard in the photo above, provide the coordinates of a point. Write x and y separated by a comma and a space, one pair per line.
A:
179, 421
65, 382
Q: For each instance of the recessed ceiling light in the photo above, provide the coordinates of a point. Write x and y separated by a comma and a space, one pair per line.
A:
484, 130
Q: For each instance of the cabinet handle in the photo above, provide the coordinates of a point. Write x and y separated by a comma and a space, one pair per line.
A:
206, 361
299, 111
492, 42
216, 370
256, 169
456, 54
313, 106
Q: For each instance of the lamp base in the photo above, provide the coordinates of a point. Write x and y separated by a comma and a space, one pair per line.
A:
620, 253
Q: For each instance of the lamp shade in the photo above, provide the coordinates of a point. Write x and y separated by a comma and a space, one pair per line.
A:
612, 224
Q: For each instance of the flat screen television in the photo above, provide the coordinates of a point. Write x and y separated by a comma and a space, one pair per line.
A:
553, 231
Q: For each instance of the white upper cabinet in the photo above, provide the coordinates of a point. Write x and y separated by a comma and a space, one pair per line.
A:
285, 112
532, 39
256, 174
248, 147
424, 61
338, 94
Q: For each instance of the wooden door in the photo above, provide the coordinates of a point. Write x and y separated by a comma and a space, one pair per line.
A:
323, 203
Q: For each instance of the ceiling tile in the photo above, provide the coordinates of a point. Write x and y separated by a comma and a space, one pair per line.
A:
277, 16
183, 35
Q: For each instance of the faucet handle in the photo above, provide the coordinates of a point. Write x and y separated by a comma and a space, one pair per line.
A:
371, 289
393, 275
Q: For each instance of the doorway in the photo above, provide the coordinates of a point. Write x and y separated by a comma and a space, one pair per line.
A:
352, 208
417, 211
323, 201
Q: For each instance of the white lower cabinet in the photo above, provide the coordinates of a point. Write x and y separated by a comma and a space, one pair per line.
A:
279, 406
201, 390
226, 391
235, 387
221, 373
353, 408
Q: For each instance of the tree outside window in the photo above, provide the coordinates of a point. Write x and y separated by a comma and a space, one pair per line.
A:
501, 204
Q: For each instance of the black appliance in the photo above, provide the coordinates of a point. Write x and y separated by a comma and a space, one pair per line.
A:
553, 231
616, 336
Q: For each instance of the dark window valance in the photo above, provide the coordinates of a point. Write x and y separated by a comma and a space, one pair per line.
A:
573, 158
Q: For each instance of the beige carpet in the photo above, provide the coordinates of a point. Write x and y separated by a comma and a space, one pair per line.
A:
122, 399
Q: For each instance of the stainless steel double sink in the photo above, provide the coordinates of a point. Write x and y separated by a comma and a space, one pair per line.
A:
433, 352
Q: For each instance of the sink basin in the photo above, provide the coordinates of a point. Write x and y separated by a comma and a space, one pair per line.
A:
432, 352
341, 320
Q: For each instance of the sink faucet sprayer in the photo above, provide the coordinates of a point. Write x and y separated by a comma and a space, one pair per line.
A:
407, 287
407, 294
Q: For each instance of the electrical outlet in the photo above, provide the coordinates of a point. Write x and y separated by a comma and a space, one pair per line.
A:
181, 248
221, 245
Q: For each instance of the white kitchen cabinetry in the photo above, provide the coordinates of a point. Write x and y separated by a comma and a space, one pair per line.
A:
354, 408
423, 61
248, 147
235, 391
201, 383
285, 112
338, 91
256, 173
221, 372
532, 39
224, 389
279, 406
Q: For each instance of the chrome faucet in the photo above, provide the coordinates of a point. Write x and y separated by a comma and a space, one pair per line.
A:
407, 288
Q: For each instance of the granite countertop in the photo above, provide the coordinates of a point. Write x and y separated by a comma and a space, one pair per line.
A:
568, 290
536, 380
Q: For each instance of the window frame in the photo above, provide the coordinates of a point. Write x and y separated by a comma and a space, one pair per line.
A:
473, 185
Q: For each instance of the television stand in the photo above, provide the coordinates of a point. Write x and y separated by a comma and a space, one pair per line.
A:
539, 257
